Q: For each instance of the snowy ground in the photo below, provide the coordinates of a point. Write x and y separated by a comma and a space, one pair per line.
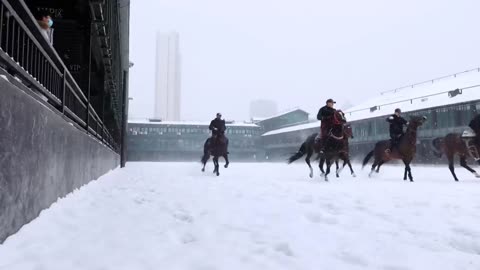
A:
255, 216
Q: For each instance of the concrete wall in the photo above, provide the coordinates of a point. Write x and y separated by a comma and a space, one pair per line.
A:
42, 156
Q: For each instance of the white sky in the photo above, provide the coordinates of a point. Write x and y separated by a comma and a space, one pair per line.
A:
298, 53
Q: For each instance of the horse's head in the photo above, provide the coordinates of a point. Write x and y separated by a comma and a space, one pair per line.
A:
348, 131
417, 121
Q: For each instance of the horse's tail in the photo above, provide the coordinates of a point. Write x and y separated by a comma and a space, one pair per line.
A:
298, 154
367, 158
437, 144
206, 154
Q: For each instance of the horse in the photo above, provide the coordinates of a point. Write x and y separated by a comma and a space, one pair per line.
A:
405, 150
310, 146
343, 155
335, 146
450, 145
216, 148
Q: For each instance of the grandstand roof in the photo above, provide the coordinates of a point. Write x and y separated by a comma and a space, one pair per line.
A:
433, 93
281, 114
315, 124
186, 123
429, 94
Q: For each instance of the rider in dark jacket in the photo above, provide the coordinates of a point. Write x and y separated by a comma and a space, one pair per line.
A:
326, 116
396, 127
218, 127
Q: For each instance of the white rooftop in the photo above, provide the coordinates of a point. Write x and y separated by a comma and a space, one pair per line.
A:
433, 93
425, 95
186, 123
281, 113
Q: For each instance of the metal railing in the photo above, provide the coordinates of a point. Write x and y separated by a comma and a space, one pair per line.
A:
27, 55
432, 80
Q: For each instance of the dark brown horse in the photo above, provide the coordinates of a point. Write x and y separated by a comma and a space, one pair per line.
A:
450, 145
310, 147
216, 148
342, 154
405, 150
335, 144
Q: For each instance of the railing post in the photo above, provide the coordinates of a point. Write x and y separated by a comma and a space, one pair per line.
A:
64, 90
89, 74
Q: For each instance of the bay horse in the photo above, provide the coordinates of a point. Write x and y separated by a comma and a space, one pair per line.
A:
216, 148
335, 145
310, 146
343, 154
450, 145
405, 150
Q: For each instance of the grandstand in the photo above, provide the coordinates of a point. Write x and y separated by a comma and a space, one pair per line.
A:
448, 102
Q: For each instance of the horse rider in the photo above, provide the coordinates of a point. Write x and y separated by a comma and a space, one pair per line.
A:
472, 137
218, 127
396, 127
327, 118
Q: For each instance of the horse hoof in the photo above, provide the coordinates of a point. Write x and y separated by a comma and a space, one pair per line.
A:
218, 174
226, 166
338, 176
311, 175
477, 175
354, 175
323, 174
326, 179
203, 170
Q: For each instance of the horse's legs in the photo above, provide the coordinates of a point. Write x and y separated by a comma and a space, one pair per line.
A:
451, 167
329, 163
227, 162
205, 159
463, 163
307, 160
320, 165
375, 163
379, 165
217, 169
337, 171
408, 170
351, 169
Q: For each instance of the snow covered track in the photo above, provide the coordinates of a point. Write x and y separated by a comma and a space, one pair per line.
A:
256, 216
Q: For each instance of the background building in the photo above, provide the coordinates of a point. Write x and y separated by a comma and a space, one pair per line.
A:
170, 140
168, 78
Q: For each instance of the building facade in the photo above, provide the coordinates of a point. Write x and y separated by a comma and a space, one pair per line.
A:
168, 78
184, 141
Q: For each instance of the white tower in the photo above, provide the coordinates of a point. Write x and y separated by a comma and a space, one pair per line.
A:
167, 77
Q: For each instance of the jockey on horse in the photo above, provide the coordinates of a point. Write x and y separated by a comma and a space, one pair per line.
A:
396, 128
471, 137
328, 117
218, 127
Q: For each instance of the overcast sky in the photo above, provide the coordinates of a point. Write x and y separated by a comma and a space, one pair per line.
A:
298, 53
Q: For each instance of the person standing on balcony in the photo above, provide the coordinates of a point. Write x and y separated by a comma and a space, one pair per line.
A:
45, 22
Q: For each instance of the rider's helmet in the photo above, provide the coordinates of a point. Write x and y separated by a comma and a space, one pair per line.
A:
219, 115
397, 110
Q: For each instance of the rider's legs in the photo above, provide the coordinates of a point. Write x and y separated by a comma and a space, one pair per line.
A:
394, 139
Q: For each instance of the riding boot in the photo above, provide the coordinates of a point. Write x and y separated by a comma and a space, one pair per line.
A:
322, 147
